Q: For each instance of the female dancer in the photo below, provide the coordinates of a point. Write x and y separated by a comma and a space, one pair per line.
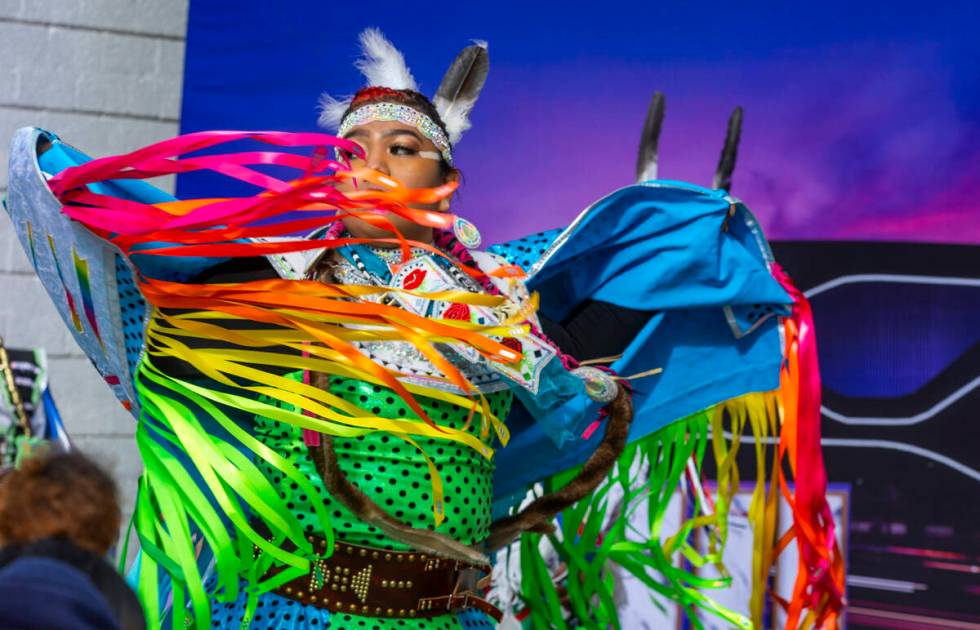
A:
320, 439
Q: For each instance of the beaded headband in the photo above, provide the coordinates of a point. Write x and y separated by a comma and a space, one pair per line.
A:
384, 68
396, 112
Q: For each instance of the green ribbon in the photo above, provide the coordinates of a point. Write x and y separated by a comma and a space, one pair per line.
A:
173, 510
653, 562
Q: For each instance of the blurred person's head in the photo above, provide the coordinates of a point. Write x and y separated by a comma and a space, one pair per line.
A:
59, 515
59, 495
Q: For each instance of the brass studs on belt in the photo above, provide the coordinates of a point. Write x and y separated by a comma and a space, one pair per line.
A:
396, 583
388, 557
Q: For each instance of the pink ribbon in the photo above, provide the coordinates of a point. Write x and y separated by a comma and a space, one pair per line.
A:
810, 503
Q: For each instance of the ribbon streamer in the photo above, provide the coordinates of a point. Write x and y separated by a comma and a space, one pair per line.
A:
242, 337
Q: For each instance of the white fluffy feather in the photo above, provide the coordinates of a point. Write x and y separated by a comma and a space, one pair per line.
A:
332, 111
382, 64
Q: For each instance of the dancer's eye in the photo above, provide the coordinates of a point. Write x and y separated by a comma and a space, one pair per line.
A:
402, 150
345, 155
349, 156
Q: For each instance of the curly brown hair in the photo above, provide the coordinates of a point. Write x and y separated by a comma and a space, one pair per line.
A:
59, 495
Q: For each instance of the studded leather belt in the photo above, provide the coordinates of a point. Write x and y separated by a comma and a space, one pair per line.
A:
378, 583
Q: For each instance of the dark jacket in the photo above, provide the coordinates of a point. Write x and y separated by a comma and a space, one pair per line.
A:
54, 584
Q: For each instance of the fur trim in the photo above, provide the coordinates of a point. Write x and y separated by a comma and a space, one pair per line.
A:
350, 496
536, 515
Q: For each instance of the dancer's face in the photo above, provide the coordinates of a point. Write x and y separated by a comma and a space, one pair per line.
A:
395, 149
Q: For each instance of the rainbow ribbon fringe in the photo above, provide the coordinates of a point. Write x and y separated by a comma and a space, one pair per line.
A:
201, 484
197, 484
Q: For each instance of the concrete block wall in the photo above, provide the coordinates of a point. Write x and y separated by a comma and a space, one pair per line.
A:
106, 76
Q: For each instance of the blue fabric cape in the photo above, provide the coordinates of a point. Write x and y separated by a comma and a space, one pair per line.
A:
696, 257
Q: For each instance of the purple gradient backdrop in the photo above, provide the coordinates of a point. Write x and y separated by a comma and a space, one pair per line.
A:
862, 120
877, 152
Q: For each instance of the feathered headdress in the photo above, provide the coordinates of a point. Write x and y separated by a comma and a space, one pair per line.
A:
383, 66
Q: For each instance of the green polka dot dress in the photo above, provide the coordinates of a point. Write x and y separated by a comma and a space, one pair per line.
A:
396, 476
